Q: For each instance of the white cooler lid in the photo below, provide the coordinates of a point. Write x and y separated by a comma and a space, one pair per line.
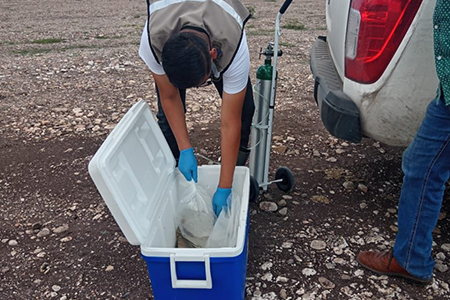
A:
130, 170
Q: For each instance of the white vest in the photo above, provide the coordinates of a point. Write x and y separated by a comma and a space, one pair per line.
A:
222, 20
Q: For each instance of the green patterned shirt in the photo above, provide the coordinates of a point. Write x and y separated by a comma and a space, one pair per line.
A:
441, 22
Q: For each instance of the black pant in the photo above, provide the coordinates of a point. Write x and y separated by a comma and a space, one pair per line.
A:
247, 115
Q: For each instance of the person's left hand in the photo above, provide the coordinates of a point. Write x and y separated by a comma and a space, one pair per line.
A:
220, 199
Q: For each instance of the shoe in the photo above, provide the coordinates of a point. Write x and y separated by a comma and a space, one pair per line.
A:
386, 264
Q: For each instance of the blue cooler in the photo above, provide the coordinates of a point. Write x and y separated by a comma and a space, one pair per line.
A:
134, 171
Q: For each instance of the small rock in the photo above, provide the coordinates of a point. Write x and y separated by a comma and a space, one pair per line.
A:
339, 261
359, 272
320, 199
43, 232
4, 241
441, 267
316, 153
66, 239
394, 228
283, 211
440, 256
282, 203
5, 269
318, 245
363, 205
287, 245
446, 247
286, 197
12, 243
61, 229
267, 277
281, 279
283, 294
309, 272
345, 277
392, 210
122, 239
44, 268
268, 206
362, 188
348, 185
338, 251
326, 284
56, 288
109, 268
36, 226
257, 293
266, 266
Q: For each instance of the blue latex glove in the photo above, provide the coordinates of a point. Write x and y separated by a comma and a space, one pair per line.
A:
187, 164
220, 199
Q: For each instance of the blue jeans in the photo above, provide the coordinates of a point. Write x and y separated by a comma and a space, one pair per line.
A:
426, 165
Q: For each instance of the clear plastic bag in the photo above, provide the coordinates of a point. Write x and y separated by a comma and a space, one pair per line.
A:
224, 232
195, 216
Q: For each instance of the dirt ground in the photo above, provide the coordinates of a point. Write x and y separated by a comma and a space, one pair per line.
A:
68, 73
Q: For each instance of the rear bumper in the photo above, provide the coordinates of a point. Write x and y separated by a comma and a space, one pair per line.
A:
339, 113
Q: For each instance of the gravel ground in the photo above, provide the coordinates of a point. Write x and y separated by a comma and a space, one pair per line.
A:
68, 73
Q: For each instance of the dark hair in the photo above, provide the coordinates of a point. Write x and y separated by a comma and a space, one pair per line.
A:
186, 60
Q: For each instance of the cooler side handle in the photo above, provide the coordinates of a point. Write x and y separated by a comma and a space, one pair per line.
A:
190, 284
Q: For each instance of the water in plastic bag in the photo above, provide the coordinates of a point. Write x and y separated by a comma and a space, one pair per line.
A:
195, 216
225, 230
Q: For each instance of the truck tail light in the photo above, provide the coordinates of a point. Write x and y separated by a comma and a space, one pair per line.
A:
375, 30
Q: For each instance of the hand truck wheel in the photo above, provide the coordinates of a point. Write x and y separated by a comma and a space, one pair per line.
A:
287, 177
254, 189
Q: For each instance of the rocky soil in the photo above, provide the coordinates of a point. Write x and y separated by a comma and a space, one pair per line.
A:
70, 70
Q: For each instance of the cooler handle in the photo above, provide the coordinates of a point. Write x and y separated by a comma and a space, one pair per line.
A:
190, 284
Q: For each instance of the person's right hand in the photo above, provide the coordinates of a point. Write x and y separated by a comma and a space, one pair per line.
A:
187, 164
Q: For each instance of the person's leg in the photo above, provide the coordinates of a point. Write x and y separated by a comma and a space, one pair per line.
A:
248, 110
426, 167
164, 124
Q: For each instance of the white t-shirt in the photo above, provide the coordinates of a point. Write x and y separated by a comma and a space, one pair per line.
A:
234, 78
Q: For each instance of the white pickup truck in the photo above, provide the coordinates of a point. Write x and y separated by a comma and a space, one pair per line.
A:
374, 71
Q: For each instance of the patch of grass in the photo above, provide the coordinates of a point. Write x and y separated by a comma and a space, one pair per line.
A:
294, 25
260, 32
7, 43
46, 50
81, 47
32, 51
252, 11
104, 37
249, 26
47, 41
287, 44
